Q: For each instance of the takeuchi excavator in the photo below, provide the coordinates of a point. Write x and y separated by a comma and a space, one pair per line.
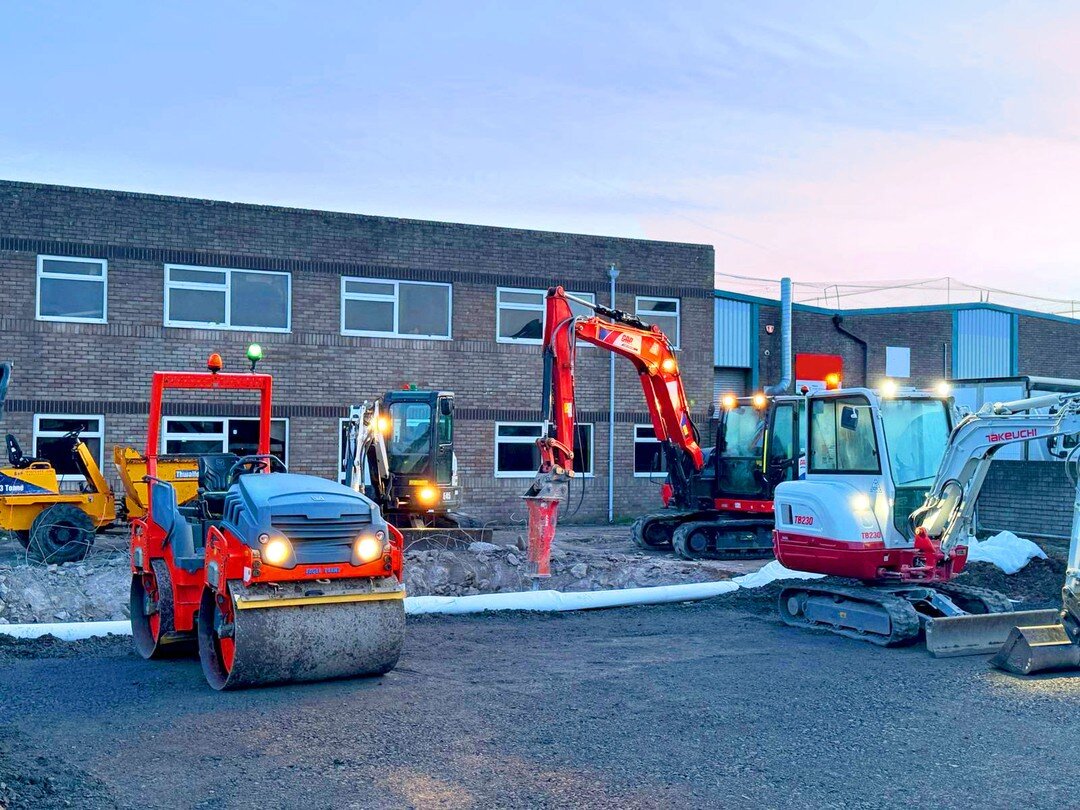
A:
696, 519
889, 500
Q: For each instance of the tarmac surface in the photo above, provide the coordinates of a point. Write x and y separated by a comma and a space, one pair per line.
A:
709, 704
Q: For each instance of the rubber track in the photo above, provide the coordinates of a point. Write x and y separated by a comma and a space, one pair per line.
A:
679, 543
903, 618
637, 530
992, 601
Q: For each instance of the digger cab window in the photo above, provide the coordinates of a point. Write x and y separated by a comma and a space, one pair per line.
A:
842, 437
916, 434
409, 445
744, 447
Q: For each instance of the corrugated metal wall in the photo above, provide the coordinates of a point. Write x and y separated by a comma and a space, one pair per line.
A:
984, 343
733, 338
730, 381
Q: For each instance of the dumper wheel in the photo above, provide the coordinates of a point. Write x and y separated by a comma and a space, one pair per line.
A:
62, 533
153, 626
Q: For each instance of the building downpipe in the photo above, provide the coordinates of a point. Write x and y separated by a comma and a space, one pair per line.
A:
838, 323
613, 273
784, 385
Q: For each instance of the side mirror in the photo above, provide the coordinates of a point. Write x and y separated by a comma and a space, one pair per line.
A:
849, 418
446, 406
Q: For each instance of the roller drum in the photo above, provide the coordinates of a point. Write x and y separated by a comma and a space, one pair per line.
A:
262, 645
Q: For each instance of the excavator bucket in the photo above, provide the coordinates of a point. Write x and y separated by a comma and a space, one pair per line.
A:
979, 633
1038, 648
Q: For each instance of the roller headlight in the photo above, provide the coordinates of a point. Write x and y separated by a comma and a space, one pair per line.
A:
368, 548
429, 496
276, 551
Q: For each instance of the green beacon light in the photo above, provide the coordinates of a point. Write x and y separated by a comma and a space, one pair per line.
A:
254, 354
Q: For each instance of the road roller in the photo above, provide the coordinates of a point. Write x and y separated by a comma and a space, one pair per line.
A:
268, 576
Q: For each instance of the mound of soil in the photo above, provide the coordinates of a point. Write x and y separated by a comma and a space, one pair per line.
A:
1036, 585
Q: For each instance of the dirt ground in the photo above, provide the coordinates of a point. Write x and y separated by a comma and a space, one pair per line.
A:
696, 705
582, 558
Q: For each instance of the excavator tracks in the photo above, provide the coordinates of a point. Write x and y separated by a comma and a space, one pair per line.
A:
974, 599
700, 535
722, 540
866, 614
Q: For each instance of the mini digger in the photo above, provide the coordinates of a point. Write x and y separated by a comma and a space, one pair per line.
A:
54, 526
273, 577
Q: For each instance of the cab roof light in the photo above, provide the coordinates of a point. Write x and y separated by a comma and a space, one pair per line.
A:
213, 363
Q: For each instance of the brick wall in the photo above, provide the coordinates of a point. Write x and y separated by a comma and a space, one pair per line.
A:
1027, 497
105, 368
814, 332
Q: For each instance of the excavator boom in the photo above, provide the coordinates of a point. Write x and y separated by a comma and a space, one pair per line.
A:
650, 351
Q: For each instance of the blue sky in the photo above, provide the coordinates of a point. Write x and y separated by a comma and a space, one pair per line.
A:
830, 141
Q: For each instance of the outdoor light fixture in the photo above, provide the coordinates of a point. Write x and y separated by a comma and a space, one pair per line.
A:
254, 354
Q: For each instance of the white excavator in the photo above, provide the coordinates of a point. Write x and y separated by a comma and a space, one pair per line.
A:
399, 451
871, 457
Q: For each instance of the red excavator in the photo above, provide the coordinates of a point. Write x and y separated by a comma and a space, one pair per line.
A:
695, 520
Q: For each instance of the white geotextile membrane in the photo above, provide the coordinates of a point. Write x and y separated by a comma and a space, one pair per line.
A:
1005, 550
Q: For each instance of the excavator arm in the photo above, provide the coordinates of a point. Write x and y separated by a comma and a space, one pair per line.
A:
649, 350
365, 441
647, 347
945, 520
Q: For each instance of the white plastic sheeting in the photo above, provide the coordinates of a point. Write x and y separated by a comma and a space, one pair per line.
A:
68, 631
770, 573
568, 600
1005, 550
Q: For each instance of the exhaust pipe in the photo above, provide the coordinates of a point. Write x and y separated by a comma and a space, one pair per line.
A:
784, 385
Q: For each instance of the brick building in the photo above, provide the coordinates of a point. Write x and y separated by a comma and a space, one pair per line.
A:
103, 287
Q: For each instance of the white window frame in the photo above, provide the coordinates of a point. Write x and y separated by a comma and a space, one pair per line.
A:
531, 440
395, 299
647, 316
54, 434
657, 442
542, 309
167, 435
227, 289
103, 278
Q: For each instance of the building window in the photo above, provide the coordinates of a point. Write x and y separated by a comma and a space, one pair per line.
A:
219, 298
517, 456
408, 309
51, 444
182, 435
650, 461
519, 314
664, 312
70, 289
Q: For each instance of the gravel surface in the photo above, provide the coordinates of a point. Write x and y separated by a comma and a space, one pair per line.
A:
710, 704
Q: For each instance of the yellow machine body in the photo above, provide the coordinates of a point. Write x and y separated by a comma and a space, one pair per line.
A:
180, 471
25, 493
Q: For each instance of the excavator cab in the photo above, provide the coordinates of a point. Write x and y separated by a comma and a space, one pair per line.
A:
760, 441
420, 450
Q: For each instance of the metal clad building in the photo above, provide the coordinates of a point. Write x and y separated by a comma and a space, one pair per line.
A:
984, 343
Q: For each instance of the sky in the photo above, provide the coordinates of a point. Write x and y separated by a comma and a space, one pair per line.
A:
834, 142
